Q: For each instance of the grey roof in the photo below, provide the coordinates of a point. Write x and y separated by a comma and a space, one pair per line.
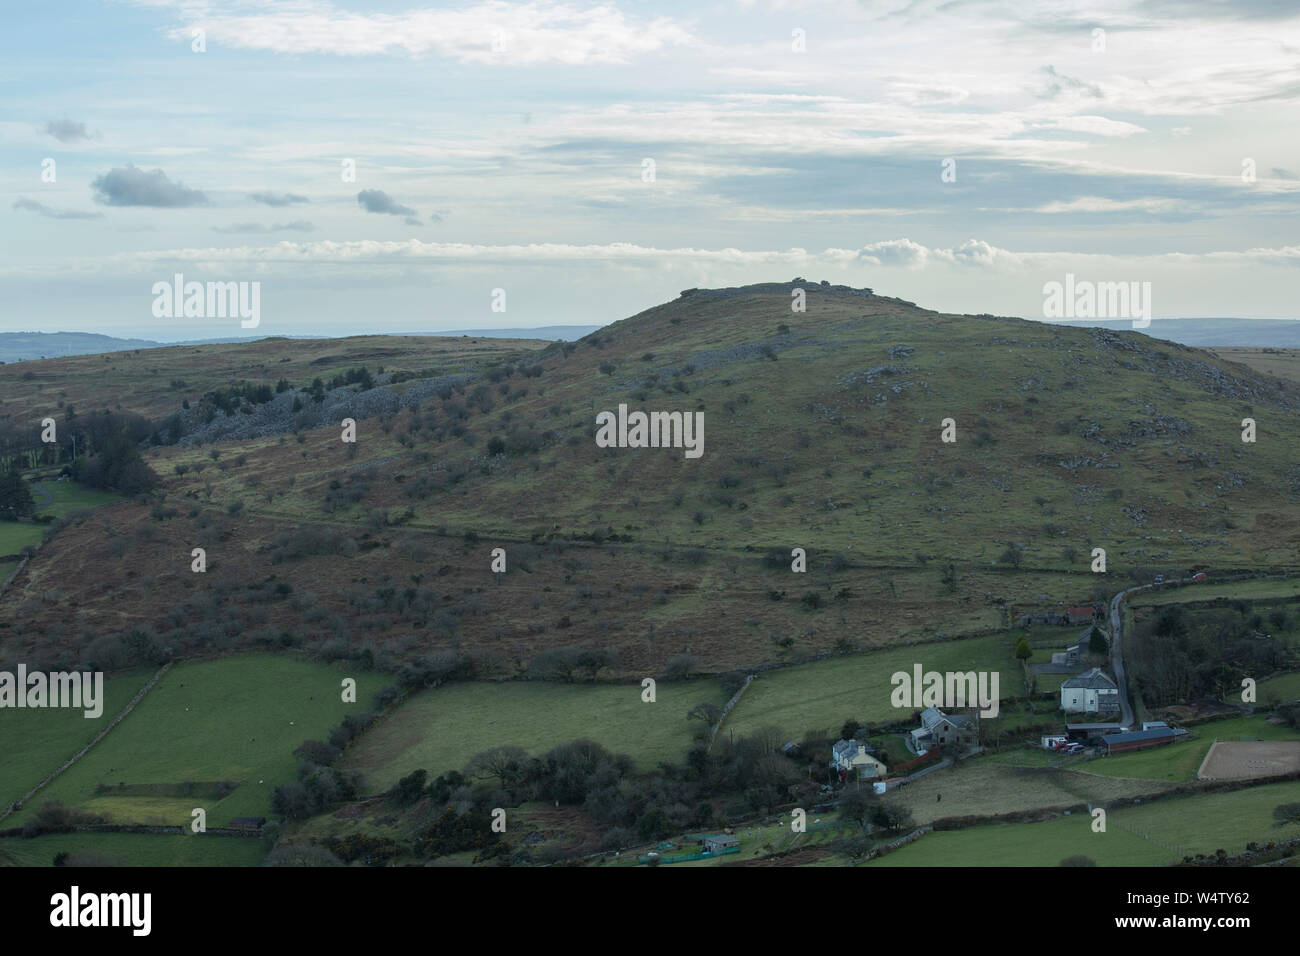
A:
844, 749
1154, 734
1093, 678
931, 717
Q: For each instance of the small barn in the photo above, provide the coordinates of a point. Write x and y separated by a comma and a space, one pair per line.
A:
1138, 740
721, 841
1081, 615
1092, 731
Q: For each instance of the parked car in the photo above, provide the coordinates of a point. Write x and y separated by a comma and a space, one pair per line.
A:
1160, 579
1198, 576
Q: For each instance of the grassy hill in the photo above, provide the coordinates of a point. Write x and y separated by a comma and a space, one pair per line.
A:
822, 432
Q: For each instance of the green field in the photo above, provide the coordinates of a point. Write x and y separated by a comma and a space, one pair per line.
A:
236, 719
34, 743
1150, 835
439, 730
67, 497
825, 693
134, 849
1284, 687
16, 535
70, 497
1208, 591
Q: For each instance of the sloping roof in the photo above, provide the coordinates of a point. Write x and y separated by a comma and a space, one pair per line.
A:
1092, 678
846, 749
1155, 733
931, 717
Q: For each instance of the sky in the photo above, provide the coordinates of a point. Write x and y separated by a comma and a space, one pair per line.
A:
388, 167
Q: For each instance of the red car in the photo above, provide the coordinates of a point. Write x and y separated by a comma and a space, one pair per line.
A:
1198, 576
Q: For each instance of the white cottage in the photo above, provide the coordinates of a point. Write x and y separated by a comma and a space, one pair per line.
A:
1091, 692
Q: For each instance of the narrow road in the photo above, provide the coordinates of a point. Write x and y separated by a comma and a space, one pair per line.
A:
1117, 654
49, 498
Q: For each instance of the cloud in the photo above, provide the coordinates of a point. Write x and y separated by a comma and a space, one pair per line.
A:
298, 225
378, 201
1102, 204
277, 199
367, 260
132, 186
1059, 83
895, 252
66, 131
1279, 173
44, 210
412, 221
493, 31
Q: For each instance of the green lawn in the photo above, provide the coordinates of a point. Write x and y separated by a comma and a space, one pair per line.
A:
34, 743
70, 496
14, 536
439, 730
824, 694
1284, 687
235, 719
134, 849
1143, 835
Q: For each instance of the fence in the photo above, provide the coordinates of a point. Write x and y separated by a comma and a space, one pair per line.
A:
735, 699
692, 856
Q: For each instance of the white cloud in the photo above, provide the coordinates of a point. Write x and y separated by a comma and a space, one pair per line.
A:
491, 31
901, 253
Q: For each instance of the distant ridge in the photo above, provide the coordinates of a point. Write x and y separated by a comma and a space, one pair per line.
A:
551, 333
23, 346
29, 346
1207, 333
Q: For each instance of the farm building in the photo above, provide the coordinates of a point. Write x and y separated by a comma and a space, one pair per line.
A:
1138, 740
1092, 731
852, 759
1036, 618
721, 841
1091, 692
1081, 615
1071, 655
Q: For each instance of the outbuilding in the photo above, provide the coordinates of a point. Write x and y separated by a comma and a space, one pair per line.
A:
722, 841
1138, 740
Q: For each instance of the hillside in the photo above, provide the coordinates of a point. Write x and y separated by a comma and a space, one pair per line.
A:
822, 431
